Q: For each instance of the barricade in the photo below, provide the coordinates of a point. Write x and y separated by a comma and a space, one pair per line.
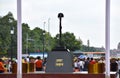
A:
31, 67
26, 67
14, 68
96, 68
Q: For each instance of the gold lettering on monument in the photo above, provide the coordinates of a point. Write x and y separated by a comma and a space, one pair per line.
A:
59, 62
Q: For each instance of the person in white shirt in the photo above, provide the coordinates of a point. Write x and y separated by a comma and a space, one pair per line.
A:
81, 64
76, 68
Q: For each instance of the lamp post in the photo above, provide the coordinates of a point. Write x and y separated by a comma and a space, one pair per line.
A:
12, 32
27, 44
44, 39
49, 31
27, 41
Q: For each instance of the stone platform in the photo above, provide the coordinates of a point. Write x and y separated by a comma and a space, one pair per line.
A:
57, 75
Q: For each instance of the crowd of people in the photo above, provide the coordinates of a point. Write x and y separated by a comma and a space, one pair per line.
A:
78, 64
39, 64
82, 64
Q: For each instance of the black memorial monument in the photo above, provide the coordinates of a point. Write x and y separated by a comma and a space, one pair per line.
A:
60, 59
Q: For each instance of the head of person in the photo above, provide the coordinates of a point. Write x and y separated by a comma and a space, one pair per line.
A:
1, 60
39, 58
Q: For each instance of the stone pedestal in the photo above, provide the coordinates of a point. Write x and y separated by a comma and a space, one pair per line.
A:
59, 61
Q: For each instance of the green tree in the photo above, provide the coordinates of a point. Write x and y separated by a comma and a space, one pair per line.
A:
40, 38
85, 48
69, 41
25, 33
6, 23
49, 42
32, 40
36, 37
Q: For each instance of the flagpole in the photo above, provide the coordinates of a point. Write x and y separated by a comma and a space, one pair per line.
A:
19, 40
107, 44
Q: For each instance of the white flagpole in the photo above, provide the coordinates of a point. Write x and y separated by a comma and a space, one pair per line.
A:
19, 40
107, 44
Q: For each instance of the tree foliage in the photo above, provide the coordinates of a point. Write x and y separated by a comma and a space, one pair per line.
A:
6, 23
69, 41
36, 40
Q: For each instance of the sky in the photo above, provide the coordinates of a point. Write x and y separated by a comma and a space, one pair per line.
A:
84, 18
